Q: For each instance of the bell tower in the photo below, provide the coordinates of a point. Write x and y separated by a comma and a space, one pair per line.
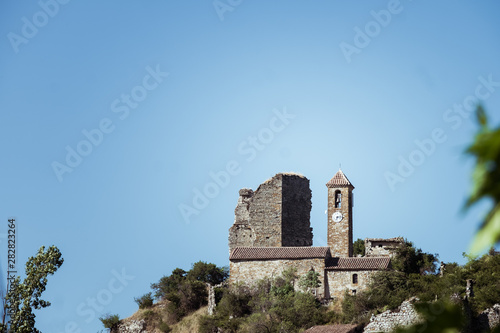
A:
340, 202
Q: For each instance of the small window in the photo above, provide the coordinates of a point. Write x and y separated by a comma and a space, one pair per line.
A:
338, 199
354, 292
355, 279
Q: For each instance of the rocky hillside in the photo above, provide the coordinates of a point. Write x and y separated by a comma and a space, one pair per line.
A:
156, 319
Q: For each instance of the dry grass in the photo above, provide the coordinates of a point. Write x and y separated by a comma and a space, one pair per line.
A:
158, 312
189, 324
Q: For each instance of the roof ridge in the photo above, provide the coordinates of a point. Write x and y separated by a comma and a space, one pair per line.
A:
291, 252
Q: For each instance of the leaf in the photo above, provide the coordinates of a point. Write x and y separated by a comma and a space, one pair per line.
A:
486, 182
488, 234
481, 116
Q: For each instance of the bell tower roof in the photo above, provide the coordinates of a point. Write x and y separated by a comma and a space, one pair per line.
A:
339, 180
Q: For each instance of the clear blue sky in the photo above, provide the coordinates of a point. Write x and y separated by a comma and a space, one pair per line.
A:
172, 93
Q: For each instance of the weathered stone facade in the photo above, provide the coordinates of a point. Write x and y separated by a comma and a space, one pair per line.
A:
340, 203
338, 282
379, 247
250, 271
276, 214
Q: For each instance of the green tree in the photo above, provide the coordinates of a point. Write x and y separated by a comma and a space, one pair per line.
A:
209, 273
412, 260
310, 281
169, 284
145, 301
358, 247
23, 297
187, 291
110, 321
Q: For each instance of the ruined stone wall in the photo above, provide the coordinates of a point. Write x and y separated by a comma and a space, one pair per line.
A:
276, 214
240, 233
296, 203
250, 271
340, 281
387, 321
266, 212
489, 318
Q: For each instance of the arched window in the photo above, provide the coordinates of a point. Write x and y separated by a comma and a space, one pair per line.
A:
338, 199
355, 279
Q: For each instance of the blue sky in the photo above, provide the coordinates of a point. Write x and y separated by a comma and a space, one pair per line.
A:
158, 98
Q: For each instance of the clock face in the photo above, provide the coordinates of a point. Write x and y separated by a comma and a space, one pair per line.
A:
337, 217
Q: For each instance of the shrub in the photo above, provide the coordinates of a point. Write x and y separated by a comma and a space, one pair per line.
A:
309, 281
110, 321
358, 247
148, 314
145, 301
164, 327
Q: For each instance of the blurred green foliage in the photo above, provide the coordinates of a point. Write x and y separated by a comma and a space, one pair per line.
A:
486, 180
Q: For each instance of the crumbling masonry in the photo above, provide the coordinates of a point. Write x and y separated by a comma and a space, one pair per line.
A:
272, 232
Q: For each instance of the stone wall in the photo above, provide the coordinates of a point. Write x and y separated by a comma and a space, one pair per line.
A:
379, 247
250, 271
340, 233
276, 214
489, 318
240, 233
296, 203
340, 281
387, 321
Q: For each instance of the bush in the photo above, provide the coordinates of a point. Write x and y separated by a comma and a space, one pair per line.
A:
358, 247
148, 314
209, 273
164, 327
110, 321
186, 291
145, 301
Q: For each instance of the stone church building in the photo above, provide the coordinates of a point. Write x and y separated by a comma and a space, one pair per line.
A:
272, 232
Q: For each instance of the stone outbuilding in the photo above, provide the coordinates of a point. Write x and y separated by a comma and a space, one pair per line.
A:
380, 247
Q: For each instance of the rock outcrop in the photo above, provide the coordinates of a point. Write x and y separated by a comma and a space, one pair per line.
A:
134, 326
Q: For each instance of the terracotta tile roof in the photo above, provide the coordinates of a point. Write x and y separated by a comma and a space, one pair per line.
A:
263, 253
358, 263
339, 180
332, 329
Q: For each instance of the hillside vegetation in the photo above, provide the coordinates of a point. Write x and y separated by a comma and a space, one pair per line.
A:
284, 304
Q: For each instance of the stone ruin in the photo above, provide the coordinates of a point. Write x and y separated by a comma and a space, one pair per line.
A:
277, 214
387, 321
